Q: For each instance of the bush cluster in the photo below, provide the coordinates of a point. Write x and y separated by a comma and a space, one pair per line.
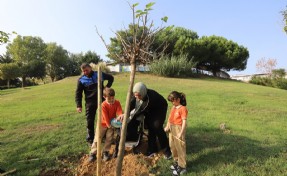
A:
280, 83
174, 66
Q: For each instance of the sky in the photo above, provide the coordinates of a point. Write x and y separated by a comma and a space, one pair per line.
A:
254, 24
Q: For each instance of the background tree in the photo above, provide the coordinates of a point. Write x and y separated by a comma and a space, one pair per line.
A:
175, 41
56, 58
210, 53
76, 59
215, 53
91, 57
266, 65
35, 69
170, 41
6, 58
9, 71
136, 49
29, 53
4, 37
284, 13
73, 65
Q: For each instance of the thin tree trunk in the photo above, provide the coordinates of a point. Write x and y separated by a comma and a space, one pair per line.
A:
8, 83
23, 81
214, 73
98, 130
120, 157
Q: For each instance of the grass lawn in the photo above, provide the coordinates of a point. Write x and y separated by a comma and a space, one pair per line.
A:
40, 129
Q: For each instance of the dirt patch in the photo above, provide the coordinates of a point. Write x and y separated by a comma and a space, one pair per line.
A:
1, 129
40, 128
133, 164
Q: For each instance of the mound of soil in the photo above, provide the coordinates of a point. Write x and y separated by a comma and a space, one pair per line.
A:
133, 164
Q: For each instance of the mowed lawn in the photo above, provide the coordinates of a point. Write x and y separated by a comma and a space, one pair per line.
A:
40, 129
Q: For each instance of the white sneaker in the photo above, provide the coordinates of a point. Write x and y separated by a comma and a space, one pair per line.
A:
174, 166
179, 171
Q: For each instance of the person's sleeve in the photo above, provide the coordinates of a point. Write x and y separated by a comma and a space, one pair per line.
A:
108, 78
79, 94
184, 113
133, 103
105, 118
119, 109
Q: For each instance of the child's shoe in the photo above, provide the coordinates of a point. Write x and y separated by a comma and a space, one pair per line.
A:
150, 154
167, 154
179, 171
174, 166
115, 154
106, 156
92, 158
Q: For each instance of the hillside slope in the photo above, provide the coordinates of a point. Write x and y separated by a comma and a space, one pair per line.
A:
40, 129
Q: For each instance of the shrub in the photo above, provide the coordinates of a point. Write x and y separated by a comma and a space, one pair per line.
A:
175, 66
264, 81
281, 83
103, 66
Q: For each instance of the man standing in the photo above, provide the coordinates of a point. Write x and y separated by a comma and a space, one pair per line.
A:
88, 83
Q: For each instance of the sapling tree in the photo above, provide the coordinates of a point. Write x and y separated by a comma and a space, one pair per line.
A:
135, 50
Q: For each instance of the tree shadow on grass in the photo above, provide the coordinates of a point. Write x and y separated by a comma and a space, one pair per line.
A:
8, 91
209, 147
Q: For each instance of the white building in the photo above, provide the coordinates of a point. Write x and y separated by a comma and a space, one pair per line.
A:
247, 78
127, 68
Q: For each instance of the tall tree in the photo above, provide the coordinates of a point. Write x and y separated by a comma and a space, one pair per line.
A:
73, 65
56, 58
29, 53
171, 40
91, 57
76, 59
136, 49
216, 53
176, 40
9, 71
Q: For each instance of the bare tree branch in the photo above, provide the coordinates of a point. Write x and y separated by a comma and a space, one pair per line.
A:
102, 38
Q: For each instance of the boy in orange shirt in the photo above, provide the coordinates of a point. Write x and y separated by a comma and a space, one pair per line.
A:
176, 125
111, 108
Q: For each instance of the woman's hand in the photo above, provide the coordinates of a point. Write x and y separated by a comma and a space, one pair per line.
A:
179, 135
120, 117
166, 129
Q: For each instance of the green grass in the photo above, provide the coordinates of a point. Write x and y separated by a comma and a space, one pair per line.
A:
39, 126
